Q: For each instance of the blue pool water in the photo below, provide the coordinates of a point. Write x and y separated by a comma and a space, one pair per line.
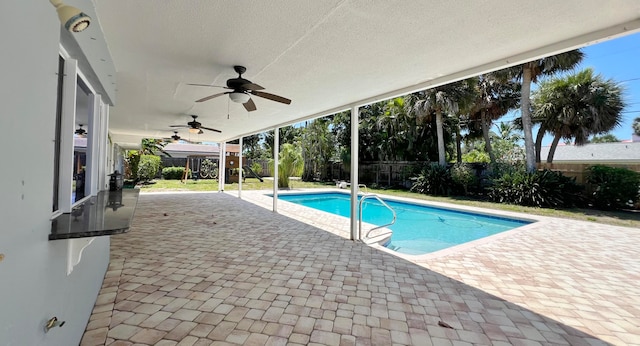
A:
418, 229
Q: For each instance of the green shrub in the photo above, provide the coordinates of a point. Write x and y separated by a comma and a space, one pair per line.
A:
476, 156
256, 167
433, 180
148, 167
172, 173
290, 164
131, 165
613, 188
537, 189
463, 176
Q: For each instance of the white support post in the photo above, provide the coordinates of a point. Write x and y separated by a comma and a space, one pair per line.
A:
104, 167
276, 161
222, 171
94, 136
220, 155
354, 173
67, 128
240, 172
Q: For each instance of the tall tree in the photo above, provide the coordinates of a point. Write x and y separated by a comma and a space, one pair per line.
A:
152, 146
288, 134
253, 148
494, 96
636, 126
577, 106
440, 102
530, 72
606, 138
509, 132
318, 148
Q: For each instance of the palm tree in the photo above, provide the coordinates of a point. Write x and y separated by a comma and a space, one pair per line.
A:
530, 72
398, 129
461, 121
494, 97
290, 163
577, 106
636, 126
150, 146
508, 132
317, 148
288, 134
375, 141
442, 101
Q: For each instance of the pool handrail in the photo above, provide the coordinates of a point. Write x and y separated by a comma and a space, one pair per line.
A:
361, 203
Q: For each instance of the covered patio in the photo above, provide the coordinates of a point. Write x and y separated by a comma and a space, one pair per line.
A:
195, 270
219, 269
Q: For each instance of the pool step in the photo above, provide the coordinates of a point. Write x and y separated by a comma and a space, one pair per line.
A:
381, 239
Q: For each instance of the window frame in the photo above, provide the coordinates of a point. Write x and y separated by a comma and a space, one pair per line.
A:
97, 127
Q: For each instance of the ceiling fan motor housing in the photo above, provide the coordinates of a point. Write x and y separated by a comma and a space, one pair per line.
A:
237, 84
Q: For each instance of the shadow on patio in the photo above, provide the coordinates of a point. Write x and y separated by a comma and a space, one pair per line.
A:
201, 269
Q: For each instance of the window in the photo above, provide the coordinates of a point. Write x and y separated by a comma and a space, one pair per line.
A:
80, 188
80, 137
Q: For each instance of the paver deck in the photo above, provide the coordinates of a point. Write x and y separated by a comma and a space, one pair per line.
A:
210, 268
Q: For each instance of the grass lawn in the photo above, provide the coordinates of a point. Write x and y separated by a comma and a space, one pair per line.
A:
619, 218
212, 185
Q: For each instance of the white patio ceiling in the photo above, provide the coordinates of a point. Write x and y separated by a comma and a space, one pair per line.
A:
323, 55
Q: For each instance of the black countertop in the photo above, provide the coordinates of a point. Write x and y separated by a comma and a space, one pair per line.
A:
110, 212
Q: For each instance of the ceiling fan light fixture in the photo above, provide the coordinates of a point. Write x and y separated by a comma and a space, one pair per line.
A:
70, 17
239, 97
80, 131
194, 130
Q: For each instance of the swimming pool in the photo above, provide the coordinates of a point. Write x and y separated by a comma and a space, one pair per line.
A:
418, 229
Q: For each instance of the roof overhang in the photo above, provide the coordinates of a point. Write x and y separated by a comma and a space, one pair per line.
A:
326, 56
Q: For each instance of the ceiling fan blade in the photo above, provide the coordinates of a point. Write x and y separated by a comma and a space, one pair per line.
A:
249, 106
210, 129
211, 97
208, 85
252, 86
179, 126
272, 97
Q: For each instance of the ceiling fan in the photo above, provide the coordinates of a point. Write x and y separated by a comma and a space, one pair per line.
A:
175, 138
241, 91
80, 131
195, 126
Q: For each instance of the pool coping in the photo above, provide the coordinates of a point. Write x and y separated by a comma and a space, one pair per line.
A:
534, 220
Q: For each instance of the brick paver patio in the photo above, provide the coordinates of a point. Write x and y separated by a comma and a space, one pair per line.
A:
211, 269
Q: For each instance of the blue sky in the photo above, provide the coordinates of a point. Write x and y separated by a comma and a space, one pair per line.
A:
617, 59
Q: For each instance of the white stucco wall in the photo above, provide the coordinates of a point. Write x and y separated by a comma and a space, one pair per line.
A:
33, 282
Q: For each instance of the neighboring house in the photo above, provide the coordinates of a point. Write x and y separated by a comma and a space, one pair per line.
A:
619, 153
574, 161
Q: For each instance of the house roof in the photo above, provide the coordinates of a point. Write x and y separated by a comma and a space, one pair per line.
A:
326, 56
620, 152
